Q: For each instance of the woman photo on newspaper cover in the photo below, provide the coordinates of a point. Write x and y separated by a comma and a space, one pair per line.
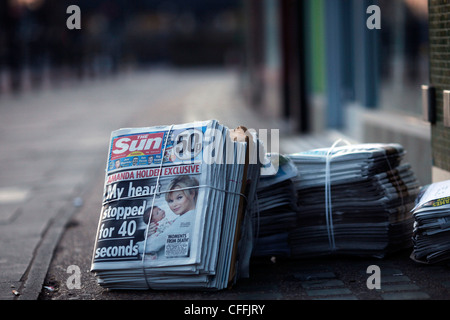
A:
181, 200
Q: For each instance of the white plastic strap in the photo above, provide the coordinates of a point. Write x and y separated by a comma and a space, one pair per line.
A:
153, 202
180, 189
328, 205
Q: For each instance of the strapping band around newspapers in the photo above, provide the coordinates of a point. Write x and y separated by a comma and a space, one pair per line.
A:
173, 190
328, 202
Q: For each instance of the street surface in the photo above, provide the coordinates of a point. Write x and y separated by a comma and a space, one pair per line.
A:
54, 148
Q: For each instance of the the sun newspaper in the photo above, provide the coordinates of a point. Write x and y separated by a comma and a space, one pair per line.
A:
175, 205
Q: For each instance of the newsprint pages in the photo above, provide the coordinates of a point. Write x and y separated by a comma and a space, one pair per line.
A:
170, 207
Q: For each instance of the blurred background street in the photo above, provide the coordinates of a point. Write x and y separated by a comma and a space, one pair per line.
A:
310, 68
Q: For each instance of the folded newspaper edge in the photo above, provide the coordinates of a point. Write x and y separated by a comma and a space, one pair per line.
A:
431, 235
173, 215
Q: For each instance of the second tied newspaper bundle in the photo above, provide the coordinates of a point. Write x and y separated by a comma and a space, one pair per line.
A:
174, 213
353, 199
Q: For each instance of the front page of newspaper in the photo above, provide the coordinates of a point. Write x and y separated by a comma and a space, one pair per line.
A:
152, 209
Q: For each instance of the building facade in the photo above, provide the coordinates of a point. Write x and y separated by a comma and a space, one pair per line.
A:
341, 65
439, 19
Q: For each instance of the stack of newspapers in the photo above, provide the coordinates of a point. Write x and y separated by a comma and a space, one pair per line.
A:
276, 209
432, 224
353, 200
175, 203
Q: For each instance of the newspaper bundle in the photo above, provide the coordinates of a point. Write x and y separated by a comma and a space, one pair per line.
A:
277, 210
173, 209
431, 235
353, 199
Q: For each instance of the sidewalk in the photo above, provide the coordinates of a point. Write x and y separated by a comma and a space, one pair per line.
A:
54, 149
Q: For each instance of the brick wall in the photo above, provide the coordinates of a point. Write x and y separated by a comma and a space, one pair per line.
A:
439, 31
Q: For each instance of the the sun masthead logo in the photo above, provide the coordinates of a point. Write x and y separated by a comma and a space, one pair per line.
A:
146, 144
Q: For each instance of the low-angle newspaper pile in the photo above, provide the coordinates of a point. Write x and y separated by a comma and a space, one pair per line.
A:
276, 212
353, 199
432, 224
175, 207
